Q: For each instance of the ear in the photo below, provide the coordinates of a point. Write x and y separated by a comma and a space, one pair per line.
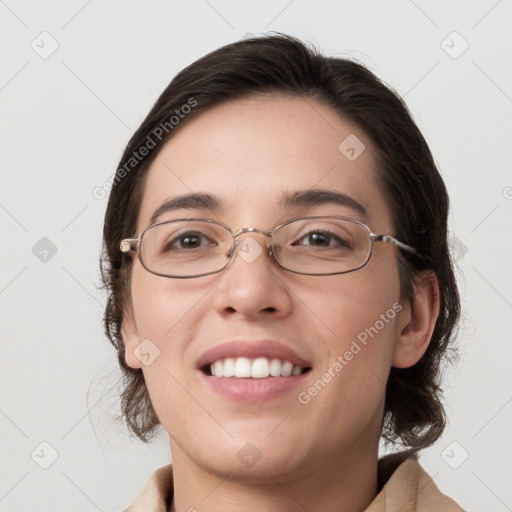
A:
417, 321
130, 336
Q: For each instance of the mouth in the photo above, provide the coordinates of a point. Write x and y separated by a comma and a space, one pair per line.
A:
252, 371
253, 368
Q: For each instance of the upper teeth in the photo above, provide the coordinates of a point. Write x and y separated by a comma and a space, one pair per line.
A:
258, 368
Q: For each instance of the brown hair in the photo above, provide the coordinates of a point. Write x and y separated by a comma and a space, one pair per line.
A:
417, 196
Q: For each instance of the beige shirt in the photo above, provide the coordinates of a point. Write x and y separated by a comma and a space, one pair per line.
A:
403, 485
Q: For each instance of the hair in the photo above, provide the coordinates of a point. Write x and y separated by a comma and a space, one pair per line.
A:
280, 64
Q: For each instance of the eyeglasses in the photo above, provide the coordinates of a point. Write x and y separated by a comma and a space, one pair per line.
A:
317, 246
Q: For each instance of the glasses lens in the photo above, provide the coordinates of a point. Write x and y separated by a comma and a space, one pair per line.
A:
322, 245
186, 248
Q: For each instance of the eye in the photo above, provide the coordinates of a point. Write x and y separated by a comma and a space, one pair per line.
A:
323, 239
188, 240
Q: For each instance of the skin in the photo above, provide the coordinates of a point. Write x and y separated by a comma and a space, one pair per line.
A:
322, 455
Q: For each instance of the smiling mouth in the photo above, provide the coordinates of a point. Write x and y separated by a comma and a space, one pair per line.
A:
253, 368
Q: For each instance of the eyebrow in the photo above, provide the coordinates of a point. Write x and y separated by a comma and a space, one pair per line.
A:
317, 197
195, 201
301, 198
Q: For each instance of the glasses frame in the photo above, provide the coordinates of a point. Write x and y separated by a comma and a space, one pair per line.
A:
134, 244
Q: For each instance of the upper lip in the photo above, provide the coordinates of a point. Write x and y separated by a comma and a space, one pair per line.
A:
252, 349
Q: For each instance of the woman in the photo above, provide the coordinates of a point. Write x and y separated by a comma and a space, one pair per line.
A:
281, 294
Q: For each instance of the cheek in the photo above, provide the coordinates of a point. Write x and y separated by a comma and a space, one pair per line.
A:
344, 399
164, 308
361, 310
352, 303
167, 314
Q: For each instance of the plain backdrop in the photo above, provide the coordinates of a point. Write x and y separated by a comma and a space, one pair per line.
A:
76, 79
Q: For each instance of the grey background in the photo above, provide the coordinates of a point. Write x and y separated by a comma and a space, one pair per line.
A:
64, 122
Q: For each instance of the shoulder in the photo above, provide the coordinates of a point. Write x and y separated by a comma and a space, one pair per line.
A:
156, 494
404, 485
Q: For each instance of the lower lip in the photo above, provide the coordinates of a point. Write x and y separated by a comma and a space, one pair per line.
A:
253, 390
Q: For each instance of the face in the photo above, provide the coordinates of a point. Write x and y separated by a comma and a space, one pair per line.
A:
341, 328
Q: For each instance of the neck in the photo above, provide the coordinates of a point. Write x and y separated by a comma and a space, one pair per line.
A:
341, 483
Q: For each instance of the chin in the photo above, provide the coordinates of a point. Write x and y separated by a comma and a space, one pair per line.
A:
245, 458
263, 469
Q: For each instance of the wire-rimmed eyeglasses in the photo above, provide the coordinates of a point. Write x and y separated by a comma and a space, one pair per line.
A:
317, 246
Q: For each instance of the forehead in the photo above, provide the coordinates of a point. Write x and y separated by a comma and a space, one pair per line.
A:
253, 153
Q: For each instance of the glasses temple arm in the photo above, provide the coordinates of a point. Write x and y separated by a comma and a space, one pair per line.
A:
129, 244
390, 240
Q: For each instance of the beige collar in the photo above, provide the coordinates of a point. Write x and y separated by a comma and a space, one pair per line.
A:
404, 486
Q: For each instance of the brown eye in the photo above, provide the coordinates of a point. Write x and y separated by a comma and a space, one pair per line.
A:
189, 240
324, 239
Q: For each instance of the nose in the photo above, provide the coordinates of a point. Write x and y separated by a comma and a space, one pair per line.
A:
253, 286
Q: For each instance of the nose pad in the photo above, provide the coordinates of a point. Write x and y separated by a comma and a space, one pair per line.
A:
274, 250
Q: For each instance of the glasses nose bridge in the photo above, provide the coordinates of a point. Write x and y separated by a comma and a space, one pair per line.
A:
239, 232
266, 234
